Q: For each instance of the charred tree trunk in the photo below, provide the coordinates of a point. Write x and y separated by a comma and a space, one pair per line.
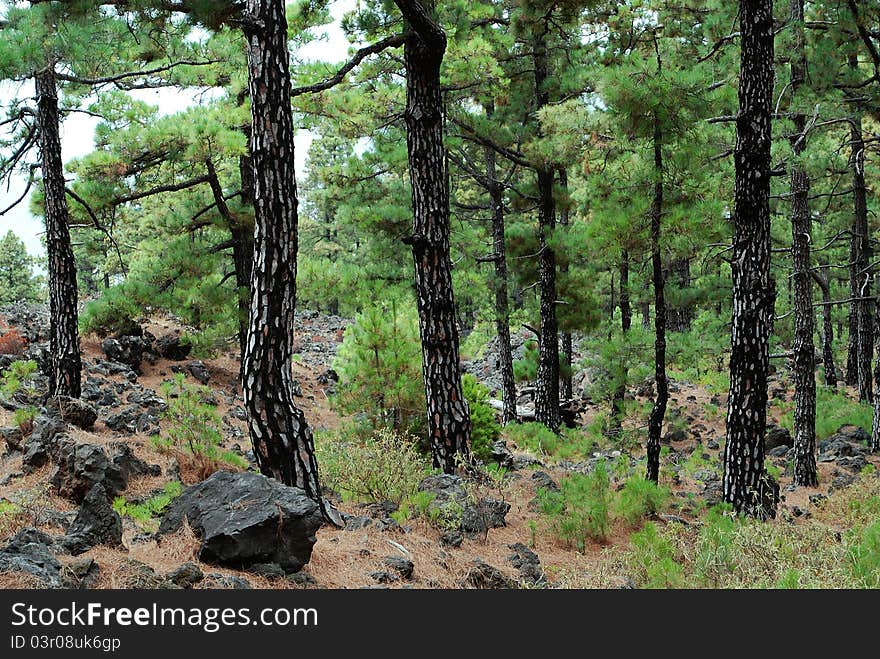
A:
66, 361
680, 316
547, 381
448, 414
565, 342
502, 306
658, 412
242, 243
281, 437
828, 366
860, 347
804, 371
619, 396
745, 485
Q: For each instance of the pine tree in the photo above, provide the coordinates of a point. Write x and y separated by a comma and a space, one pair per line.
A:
17, 279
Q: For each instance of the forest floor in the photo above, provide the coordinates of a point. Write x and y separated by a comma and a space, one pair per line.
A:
353, 557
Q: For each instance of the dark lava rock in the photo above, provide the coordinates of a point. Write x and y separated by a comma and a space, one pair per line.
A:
126, 350
13, 438
171, 348
96, 523
840, 481
527, 563
543, 479
502, 455
451, 539
777, 436
447, 490
484, 515
81, 574
30, 551
675, 435
133, 419
712, 444
186, 576
403, 566
778, 452
268, 570
483, 576
73, 411
246, 518
81, 467
223, 582
328, 377
42, 444
301, 579
129, 464
384, 577
199, 371
358, 522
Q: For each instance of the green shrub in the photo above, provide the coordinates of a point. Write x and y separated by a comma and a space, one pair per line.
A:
18, 378
526, 369
380, 369
865, 557
145, 513
652, 560
194, 426
640, 498
537, 438
387, 466
580, 509
485, 430
833, 409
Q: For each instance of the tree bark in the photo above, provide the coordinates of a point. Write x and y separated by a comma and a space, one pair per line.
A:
448, 414
828, 366
619, 396
565, 341
547, 381
680, 316
502, 306
804, 372
744, 484
281, 436
661, 384
66, 361
860, 346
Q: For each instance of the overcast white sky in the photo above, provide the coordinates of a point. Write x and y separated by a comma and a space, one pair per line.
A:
77, 131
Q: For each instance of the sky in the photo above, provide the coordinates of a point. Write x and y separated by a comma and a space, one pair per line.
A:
77, 131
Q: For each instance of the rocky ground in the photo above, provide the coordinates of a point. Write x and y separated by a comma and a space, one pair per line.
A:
236, 529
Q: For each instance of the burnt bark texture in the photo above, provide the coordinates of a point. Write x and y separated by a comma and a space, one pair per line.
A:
661, 383
502, 306
680, 316
565, 339
823, 281
281, 437
242, 243
860, 347
619, 395
448, 414
66, 362
804, 366
744, 483
547, 380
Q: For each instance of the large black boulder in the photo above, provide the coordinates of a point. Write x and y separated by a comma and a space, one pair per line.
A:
73, 411
81, 467
247, 518
96, 523
42, 444
30, 551
128, 350
170, 347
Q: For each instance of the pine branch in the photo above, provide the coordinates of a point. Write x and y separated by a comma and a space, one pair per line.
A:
359, 56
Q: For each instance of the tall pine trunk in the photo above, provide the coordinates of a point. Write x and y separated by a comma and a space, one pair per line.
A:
66, 362
619, 395
448, 414
744, 485
502, 306
565, 340
281, 436
547, 380
801, 230
680, 316
824, 283
658, 411
861, 320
